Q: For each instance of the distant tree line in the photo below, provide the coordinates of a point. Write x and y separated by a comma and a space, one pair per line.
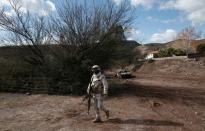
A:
168, 52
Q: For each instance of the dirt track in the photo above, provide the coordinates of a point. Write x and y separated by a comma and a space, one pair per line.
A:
145, 103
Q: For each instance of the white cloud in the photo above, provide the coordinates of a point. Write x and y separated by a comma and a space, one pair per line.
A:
150, 18
10, 12
145, 3
50, 6
4, 3
194, 9
164, 21
40, 7
165, 36
117, 2
133, 34
167, 21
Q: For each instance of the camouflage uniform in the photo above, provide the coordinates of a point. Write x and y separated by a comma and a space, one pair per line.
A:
99, 87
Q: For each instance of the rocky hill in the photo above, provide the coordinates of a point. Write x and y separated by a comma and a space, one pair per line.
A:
178, 44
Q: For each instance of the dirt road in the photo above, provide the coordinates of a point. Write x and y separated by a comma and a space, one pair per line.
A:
144, 103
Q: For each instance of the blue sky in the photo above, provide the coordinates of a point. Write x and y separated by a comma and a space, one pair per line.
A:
157, 20
161, 20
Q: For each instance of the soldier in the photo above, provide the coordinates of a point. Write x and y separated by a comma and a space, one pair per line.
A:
99, 89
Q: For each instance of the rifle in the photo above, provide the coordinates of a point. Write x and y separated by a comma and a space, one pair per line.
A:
88, 96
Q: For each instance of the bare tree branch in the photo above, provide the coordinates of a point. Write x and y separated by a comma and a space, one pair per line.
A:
27, 29
187, 35
83, 24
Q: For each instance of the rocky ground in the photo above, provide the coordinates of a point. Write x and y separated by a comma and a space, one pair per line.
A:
144, 103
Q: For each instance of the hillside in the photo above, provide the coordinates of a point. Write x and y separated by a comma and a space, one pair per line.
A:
20, 51
178, 44
145, 48
184, 67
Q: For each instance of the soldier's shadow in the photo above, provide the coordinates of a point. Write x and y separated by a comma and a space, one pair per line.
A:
148, 122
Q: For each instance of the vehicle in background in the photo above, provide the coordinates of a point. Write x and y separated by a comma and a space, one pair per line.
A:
123, 74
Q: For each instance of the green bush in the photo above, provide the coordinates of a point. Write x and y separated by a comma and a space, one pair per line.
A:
179, 52
163, 53
201, 48
168, 52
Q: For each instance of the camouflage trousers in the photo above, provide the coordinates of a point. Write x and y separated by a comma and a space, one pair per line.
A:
98, 105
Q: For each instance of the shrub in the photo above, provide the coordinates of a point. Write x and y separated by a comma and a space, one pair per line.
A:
163, 53
168, 52
179, 52
201, 48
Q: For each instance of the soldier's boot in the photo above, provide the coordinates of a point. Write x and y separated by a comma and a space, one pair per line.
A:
107, 113
97, 120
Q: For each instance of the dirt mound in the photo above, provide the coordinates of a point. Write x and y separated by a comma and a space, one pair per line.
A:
184, 67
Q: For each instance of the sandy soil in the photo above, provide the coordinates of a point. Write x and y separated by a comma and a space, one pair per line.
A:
144, 103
